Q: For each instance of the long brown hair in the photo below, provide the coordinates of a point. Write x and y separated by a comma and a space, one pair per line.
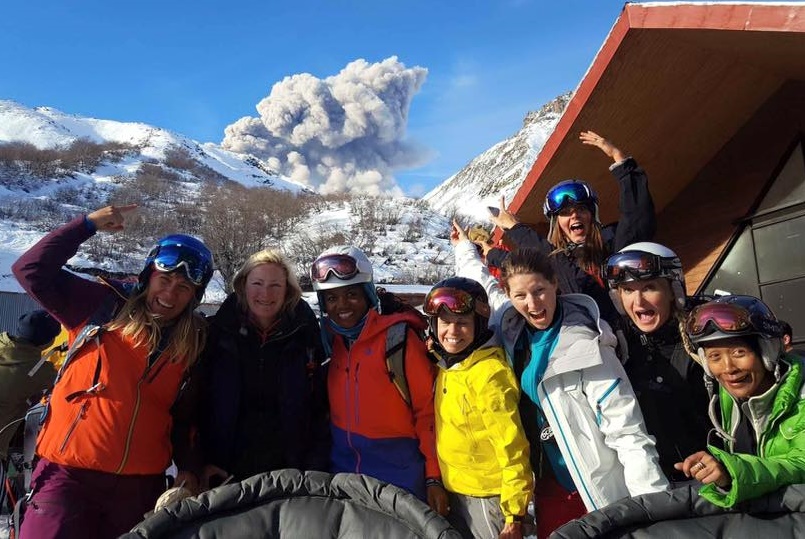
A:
137, 322
590, 255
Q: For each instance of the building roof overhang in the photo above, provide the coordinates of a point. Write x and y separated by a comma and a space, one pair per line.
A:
670, 85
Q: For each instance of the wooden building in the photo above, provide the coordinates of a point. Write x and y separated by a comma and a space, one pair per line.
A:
710, 99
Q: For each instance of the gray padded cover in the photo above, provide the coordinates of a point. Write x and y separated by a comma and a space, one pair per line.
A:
289, 503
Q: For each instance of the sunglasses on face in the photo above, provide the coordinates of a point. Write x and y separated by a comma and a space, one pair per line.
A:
454, 300
561, 195
342, 266
169, 258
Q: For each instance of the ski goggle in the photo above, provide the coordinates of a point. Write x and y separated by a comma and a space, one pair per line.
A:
637, 265
727, 317
455, 300
342, 266
567, 193
167, 258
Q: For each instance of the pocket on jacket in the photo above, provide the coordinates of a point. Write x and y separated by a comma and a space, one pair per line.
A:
79, 417
570, 382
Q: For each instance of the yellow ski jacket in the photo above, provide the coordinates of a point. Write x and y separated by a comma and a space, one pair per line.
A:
480, 441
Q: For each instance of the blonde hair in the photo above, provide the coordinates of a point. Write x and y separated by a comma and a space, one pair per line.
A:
687, 344
137, 322
593, 252
293, 292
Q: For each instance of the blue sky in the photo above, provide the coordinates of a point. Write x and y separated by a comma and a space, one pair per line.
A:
196, 67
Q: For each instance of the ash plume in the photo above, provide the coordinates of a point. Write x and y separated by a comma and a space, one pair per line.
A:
344, 133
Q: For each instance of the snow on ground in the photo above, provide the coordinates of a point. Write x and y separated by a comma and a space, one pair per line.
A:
398, 255
13, 241
402, 248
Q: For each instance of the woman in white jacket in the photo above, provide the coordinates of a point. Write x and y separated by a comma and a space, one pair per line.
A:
588, 441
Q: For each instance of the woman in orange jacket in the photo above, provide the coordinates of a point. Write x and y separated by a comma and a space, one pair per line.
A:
106, 439
375, 431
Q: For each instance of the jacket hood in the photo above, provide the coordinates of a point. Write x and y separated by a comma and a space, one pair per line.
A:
17, 353
579, 337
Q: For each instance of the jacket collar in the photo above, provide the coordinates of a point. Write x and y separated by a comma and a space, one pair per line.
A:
777, 401
231, 318
579, 337
482, 352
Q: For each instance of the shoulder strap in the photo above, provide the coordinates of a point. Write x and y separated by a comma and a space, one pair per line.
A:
37, 414
395, 359
33, 422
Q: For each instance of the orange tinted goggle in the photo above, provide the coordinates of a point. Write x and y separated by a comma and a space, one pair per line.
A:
727, 317
455, 300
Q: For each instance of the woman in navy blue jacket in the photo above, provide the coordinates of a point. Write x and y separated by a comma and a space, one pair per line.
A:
264, 401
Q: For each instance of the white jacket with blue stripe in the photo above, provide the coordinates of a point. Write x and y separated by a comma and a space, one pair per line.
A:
584, 394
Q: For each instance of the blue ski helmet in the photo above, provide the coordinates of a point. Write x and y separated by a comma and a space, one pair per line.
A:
179, 251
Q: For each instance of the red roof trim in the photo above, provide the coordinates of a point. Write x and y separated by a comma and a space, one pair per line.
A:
751, 17
583, 92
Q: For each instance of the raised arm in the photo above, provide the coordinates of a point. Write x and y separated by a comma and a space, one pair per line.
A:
637, 221
469, 265
517, 233
40, 271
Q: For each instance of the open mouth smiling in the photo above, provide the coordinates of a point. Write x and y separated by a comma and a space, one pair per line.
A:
163, 304
645, 316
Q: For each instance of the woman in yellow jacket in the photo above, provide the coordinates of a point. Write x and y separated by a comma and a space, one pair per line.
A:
480, 442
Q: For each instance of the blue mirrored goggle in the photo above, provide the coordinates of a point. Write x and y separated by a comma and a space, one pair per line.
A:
169, 258
567, 193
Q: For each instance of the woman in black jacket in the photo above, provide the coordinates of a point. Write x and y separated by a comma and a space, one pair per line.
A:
647, 285
577, 240
264, 398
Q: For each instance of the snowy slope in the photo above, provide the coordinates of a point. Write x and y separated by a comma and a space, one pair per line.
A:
413, 246
46, 127
500, 170
399, 251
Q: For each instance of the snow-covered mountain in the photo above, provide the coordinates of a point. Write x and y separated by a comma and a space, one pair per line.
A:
404, 238
407, 240
500, 170
46, 128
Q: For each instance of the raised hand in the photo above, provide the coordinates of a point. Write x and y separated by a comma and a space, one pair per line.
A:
457, 233
111, 218
594, 139
504, 220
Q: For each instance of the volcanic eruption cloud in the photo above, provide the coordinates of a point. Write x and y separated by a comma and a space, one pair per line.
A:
344, 133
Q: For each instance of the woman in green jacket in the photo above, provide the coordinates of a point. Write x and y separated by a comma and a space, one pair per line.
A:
480, 442
758, 409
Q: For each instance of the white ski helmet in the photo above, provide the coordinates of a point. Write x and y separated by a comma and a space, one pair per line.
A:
640, 262
339, 266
